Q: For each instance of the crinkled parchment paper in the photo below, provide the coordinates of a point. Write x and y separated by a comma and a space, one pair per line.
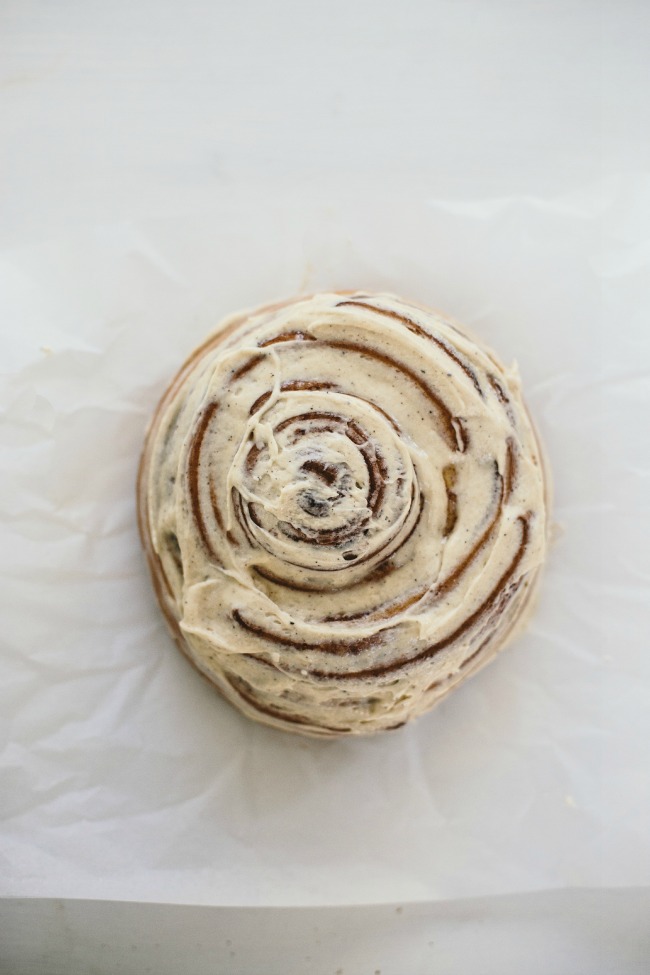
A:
123, 774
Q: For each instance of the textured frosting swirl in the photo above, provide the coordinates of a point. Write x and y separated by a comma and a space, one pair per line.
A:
342, 501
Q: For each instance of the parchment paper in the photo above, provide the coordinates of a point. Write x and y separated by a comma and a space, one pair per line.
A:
123, 774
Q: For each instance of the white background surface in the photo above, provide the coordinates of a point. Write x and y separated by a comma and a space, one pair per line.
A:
165, 164
568, 932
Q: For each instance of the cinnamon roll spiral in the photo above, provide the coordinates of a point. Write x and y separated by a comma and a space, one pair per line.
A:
342, 502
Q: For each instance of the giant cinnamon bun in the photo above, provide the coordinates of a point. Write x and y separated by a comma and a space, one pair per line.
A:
343, 506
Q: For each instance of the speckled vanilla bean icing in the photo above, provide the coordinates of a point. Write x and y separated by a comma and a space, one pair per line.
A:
343, 506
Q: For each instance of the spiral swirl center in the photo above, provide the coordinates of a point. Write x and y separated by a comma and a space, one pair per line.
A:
323, 488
